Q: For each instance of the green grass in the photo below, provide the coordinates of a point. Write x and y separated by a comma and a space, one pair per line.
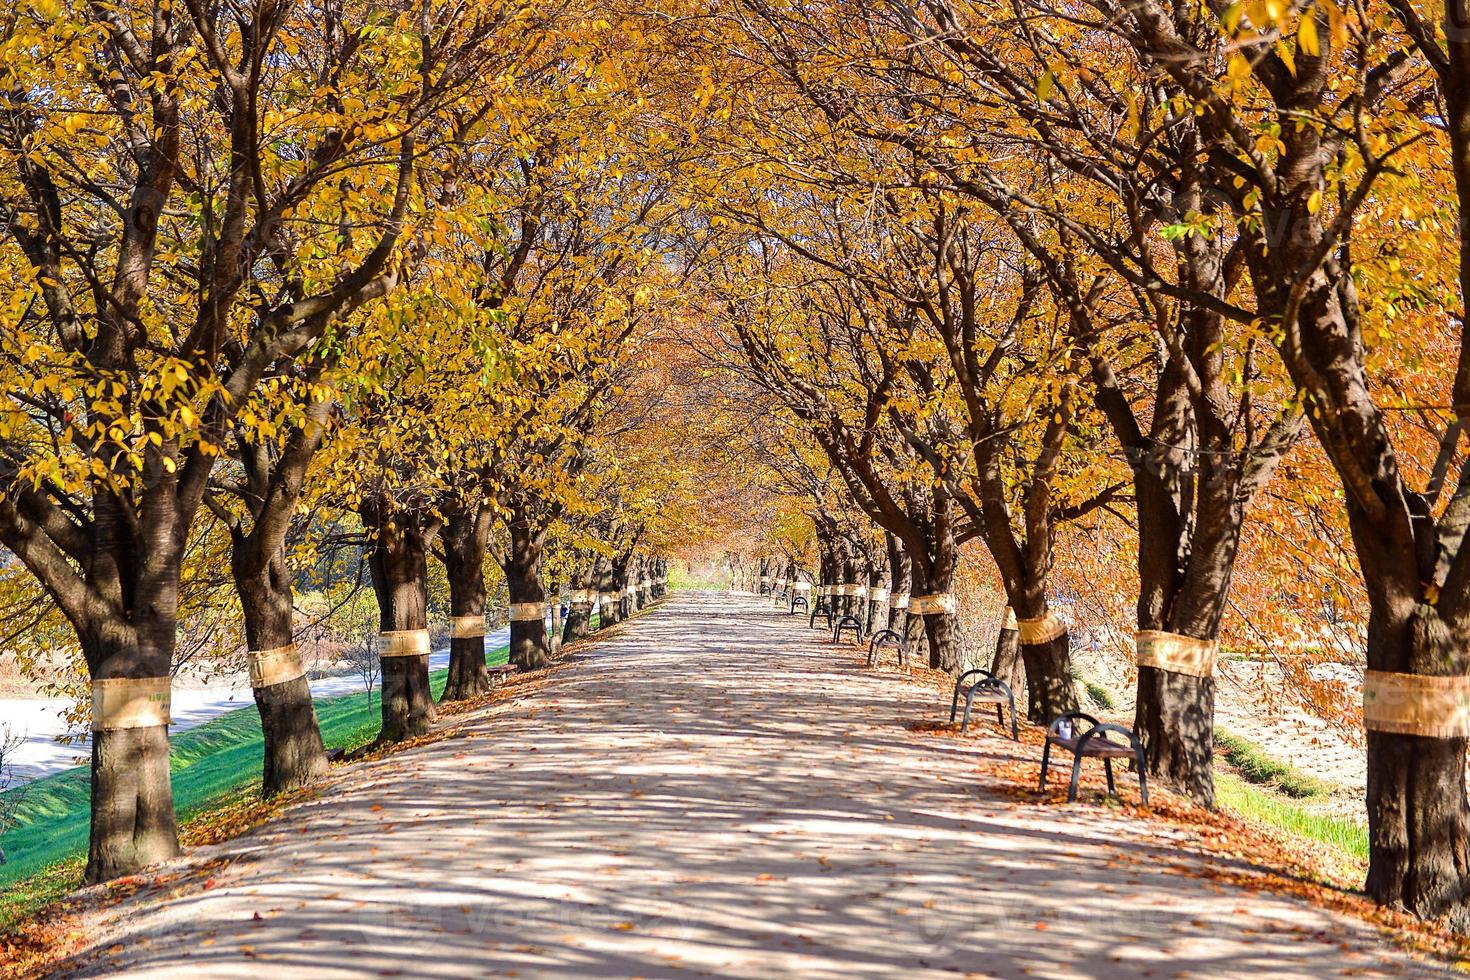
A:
1098, 694
209, 764
1262, 805
1257, 767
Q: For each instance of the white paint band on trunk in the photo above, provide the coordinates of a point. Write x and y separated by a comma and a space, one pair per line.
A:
130, 702
1176, 653
611, 598
824, 590
583, 597
1009, 622
403, 643
803, 586
467, 627
521, 612
275, 666
852, 589
899, 600
877, 593
1035, 632
1416, 704
930, 605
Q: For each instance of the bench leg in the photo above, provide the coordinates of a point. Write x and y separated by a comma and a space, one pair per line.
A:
1076, 775
954, 703
969, 701
1108, 768
1015, 731
1045, 764
1142, 777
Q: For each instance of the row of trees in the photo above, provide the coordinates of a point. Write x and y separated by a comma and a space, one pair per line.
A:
287, 278
1020, 271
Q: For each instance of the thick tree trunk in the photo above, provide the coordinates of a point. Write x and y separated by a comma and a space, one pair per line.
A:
579, 610
1049, 688
1175, 717
1418, 817
294, 753
877, 617
465, 538
1006, 663
935, 576
133, 823
898, 584
398, 561
530, 648
132, 815
640, 584
940, 628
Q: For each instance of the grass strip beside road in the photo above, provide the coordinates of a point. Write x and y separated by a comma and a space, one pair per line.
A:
218, 760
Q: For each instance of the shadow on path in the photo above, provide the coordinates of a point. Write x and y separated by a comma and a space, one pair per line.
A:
715, 791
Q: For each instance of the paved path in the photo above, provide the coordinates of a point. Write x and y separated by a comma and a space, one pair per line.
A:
713, 792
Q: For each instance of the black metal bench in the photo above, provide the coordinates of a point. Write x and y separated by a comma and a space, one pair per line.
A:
986, 688
1092, 743
883, 638
799, 600
848, 622
822, 609
500, 673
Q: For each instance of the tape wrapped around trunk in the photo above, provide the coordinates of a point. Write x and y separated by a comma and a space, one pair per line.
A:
1176, 652
521, 612
1035, 632
467, 627
929, 605
131, 702
1432, 706
276, 666
403, 643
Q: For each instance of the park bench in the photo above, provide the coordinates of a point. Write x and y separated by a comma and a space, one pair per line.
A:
848, 622
884, 638
985, 688
501, 673
822, 609
799, 600
1092, 743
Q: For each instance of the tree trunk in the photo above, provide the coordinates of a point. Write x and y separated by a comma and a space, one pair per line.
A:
398, 561
133, 823
1007, 664
877, 617
465, 539
1418, 818
294, 752
132, 817
1177, 711
1049, 688
898, 583
530, 648
579, 612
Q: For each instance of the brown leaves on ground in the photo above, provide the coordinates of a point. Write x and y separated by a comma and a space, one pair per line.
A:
1237, 851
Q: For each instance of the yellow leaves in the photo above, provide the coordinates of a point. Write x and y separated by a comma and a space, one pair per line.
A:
1238, 68
1046, 85
1306, 36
